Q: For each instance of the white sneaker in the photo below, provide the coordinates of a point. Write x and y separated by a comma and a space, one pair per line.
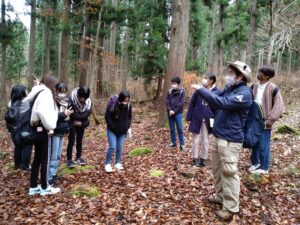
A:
253, 167
260, 171
108, 168
35, 191
119, 166
49, 191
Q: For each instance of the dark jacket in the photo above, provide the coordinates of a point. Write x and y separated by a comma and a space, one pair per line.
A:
199, 110
175, 100
118, 118
62, 125
232, 107
83, 117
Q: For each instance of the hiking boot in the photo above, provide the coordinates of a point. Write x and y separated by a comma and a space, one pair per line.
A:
212, 199
196, 162
108, 168
202, 162
182, 148
253, 167
260, 171
80, 161
35, 191
224, 214
70, 164
172, 145
119, 166
49, 191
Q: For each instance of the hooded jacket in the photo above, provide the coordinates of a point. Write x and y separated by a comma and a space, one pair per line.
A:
175, 100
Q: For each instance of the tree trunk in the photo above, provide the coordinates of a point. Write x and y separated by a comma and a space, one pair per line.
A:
220, 40
212, 38
3, 61
252, 31
159, 87
64, 43
271, 39
46, 48
178, 48
125, 62
290, 62
30, 69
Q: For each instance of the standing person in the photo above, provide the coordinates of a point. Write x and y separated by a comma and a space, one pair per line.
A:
118, 117
62, 127
175, 104
22, 151
232, 106
81, 105
200, 116
268, 96
43, 118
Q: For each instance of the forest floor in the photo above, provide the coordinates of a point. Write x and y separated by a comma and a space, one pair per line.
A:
134, 197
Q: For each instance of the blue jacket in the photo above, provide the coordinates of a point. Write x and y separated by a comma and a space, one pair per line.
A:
232, 106
199, 110
175, 100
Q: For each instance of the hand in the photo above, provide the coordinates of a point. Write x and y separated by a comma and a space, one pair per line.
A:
68, 111
77, 123
50, 132
196, 86
171, 113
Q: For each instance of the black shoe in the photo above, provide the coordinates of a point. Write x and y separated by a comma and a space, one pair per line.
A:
70, 164
26, 168
202, 162
196, 162
80, 161
172, 145
51, 181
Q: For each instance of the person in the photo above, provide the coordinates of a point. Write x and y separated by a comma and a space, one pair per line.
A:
118, 118
22, 151
200, 116
232, 105
62, 128
175, 103
43, 118
81, 105
268, 96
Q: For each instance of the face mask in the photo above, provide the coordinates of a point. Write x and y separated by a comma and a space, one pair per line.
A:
174, 86
61, 95
230, 80
204, 82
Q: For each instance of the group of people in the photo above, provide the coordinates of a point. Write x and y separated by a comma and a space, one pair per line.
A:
223, 112
55, 114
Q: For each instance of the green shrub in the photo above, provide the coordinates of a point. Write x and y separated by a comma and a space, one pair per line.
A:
63, 169
140, 151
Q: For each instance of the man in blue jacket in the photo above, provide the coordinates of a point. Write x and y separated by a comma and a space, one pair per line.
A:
232, 106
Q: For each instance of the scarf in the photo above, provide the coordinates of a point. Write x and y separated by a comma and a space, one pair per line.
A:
82, 108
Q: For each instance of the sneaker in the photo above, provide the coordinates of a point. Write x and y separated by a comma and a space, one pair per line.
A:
196, 162
108, 168
49, 191
202, 162
260, 171
172, 145
80, 161
182, 148
35, 191
119, 166
254, 167
70, 164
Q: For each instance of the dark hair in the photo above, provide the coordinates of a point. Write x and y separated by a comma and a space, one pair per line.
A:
236, 71
267, 70
211, 76
123, 95
176, 80
18, 92
83, 92
50, 82
61, 87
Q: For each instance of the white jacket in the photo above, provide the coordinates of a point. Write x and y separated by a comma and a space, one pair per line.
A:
44, 108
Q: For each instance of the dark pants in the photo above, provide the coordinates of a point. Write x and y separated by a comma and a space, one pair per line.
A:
78, 132
22, 155
41, 159
261, 151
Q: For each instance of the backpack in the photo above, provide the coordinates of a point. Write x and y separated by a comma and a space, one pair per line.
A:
12, 115
22, 132
111, 102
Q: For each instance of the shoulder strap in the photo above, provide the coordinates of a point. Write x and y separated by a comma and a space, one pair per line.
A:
35, 97
274, 93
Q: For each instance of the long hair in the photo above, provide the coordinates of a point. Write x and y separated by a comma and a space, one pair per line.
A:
18, 92
50, 82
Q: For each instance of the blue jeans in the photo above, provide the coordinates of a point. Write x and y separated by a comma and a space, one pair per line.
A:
115, 142
176, 119
56, 150
261, 151
22, 155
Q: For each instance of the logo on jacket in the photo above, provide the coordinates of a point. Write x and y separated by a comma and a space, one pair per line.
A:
239, 97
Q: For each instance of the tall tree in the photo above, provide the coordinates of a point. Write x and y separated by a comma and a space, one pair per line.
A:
252, 31
3, 55
178, 48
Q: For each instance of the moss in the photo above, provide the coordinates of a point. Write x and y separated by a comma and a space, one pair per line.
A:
140, 151
156, 173
103, 134
10, 165
3, 155
287, 130
258, 179
291, 170
147, 138
64, 170
85, 190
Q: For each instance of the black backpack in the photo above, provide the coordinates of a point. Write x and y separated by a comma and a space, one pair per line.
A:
12, 115
21, 130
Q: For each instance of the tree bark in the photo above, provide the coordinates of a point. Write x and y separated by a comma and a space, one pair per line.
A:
159, 87
178, 48
220, 40
64, 43
31, 50
46, 47
252, 31
125, 62
212, 38
3, 61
